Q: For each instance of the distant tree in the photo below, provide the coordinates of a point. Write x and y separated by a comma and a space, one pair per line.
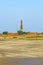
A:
5, 32
21, 32
42, 32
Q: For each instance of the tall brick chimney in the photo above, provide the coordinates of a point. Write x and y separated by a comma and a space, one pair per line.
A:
21, 26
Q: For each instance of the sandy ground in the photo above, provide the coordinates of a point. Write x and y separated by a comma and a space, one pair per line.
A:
20, 49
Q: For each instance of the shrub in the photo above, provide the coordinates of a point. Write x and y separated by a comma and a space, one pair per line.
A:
5, 32
21, 32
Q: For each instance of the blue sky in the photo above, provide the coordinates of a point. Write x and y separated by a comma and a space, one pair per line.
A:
30, 11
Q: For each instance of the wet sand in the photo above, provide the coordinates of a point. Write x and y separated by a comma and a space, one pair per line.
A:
21, 52
21, 61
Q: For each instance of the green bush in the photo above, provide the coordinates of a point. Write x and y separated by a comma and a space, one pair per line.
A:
5, 32
21, 32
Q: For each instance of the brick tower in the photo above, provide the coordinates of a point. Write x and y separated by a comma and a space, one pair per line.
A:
21, 26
